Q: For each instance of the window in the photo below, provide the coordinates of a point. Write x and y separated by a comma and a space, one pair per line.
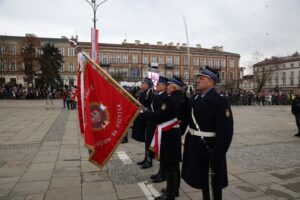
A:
118, 58
125, 58
62, 68
196, 61
283, 82
185, 60
104, 58
196, 71
134, 58
161, 60
169, 60
292, 82
222, 62
231, 75
176, 60
162, 73
283, 74
177, 72
71, 67
223, 77
12, 66
231, 63
145, 59
203, 62
145, 73
71, 52
153, 59
2, 51
217, 63
292, 65
186, 74
210, 62
292, 74
111, 70
125, 72
112, 58
13, 50
61, 51
283, 65
169, 74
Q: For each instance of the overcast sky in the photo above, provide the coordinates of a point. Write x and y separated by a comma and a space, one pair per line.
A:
271, 27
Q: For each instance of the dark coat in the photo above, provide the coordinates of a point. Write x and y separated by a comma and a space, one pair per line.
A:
150, 125
296, 106
213, 114
139, 124
170, 150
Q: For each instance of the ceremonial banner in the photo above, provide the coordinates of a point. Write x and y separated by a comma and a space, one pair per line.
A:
108, 113
94, 42
80, 92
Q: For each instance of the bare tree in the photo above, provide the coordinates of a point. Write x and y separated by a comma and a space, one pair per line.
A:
30, 56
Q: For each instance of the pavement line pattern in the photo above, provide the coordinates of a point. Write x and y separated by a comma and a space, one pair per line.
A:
146, 190
124, 158
154, 192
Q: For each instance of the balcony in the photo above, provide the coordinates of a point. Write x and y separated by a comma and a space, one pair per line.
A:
169, 65
104, 64
154, 65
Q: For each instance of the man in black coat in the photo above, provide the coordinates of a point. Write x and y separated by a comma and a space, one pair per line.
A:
139, 124
157, 100
296, 111
208, 138
167, 116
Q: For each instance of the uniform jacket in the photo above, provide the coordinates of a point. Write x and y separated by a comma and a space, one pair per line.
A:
296, 106
170, 151
139, 124
150, 125
213, 114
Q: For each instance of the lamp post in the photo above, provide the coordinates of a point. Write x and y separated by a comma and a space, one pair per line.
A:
95, 6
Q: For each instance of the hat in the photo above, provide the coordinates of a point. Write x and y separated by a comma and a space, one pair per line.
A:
208, 72
148, 80
176, 80
163, 80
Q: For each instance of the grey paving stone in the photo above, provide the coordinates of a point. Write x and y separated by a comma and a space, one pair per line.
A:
255, 178
245, 191
279, 192
65, 182
100, 187
64, 194
35, 187
129, 191
106, 196
66, 172
35, 197
42, 175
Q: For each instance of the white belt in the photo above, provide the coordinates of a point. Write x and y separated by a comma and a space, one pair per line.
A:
200, 133
176, 126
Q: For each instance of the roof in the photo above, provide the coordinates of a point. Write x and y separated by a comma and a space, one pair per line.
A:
49, 40
278, 60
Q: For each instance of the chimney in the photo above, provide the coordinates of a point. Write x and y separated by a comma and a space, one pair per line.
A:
171, 44
178, 45
159, 43
124, 41
218, 48
137, 42
198, 46
183, 44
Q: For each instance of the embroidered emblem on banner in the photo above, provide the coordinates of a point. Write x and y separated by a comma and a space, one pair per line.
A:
163, 106
99, 116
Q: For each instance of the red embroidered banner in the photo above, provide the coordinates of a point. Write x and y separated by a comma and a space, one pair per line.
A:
108, 113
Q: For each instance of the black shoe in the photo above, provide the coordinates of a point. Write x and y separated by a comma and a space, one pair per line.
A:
125, 140
297, 134
153, 176
147, 164
159, 179
141, 162
164, 197
164, 190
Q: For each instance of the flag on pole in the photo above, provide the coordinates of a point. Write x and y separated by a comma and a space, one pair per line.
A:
94, 49
80, 92
108, 113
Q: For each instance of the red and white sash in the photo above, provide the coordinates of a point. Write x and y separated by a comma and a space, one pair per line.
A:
156, 141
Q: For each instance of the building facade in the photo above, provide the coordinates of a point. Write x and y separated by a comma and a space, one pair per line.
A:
281, 73
133, 61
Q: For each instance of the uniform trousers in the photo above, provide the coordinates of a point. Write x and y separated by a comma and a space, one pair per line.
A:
172, 173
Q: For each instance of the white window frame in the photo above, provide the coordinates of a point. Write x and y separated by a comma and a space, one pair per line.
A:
196, 61
134, 58
125, 58
112, 58
71, 67
71, 52
61, 51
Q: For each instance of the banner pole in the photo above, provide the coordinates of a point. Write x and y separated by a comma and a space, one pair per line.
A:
114, 81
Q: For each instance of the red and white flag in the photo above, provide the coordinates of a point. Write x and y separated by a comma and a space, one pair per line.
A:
94, 49
108, 113
156, 141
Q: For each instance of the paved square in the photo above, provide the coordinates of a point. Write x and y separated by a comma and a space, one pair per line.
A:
42, 156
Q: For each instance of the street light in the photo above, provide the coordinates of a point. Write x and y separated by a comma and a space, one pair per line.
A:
95, 7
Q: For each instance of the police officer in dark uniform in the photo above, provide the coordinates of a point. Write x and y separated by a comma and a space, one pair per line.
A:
161, 94
139, 124
208, 137
296, 111
167, 116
